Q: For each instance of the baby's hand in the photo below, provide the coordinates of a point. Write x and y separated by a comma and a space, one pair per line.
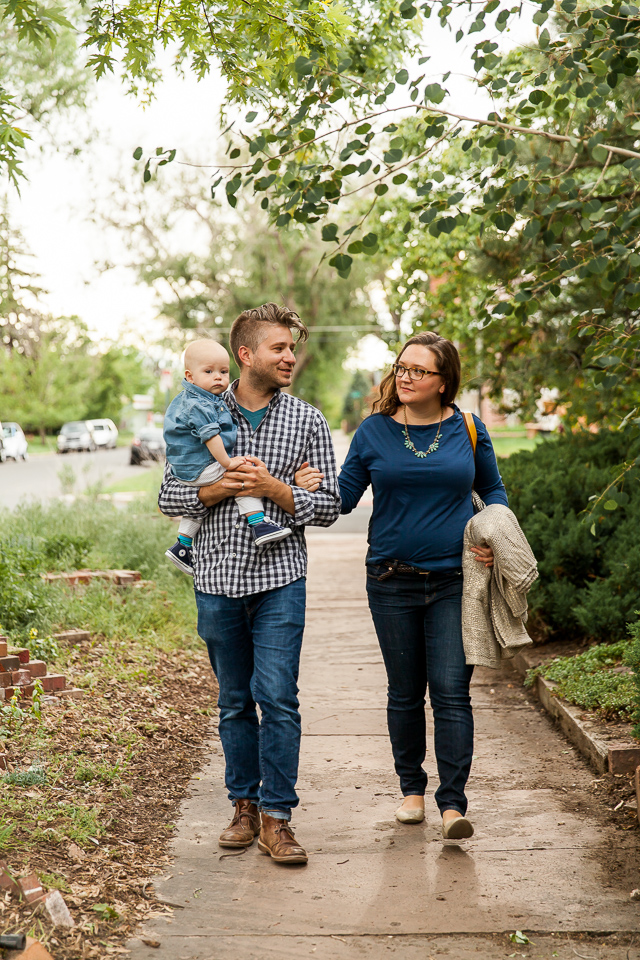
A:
309, 478
235, 462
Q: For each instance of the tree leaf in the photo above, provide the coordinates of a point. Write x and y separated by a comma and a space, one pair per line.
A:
433, 92
341, 262
330, 232
504, 221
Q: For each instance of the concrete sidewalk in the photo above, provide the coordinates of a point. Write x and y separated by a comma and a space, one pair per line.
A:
541, 859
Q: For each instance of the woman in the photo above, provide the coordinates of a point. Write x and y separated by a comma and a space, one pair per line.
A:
416, 453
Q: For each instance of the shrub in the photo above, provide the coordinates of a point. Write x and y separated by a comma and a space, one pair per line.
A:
588, 584
591, 680
632, 659
22, 590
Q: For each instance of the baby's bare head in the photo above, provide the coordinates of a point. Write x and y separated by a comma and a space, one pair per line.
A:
206, 364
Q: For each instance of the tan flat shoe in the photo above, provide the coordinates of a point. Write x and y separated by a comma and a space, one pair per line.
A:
412, 815
459, 828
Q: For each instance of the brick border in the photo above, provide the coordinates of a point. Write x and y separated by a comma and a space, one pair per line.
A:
604, 756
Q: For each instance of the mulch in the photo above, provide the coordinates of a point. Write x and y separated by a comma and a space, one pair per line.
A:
171, 722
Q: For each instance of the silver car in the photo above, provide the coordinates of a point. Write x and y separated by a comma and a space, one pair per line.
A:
75, 435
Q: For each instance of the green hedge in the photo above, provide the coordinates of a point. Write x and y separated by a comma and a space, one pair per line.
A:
632, 659
588, 584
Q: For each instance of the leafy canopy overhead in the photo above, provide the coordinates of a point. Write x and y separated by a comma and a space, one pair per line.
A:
253, 45
551, 172
339, 123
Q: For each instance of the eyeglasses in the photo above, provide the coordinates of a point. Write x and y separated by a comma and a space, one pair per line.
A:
399, 370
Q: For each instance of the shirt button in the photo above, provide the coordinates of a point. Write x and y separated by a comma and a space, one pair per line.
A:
252, 440
233, 554
237, 526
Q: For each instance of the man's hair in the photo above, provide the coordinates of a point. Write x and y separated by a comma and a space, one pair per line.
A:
250, 328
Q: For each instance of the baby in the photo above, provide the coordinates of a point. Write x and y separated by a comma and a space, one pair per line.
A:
200, 435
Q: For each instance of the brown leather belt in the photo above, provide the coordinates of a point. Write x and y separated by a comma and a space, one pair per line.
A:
395, 566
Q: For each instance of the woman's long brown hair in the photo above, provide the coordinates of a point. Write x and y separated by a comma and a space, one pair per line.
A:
448, 364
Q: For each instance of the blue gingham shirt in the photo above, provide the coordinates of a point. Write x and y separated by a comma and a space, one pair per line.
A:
225, 558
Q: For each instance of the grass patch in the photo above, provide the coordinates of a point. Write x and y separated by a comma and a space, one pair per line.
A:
37, 538
597, 680
36, 446
505, 446
53, 881
6, 830
148, 480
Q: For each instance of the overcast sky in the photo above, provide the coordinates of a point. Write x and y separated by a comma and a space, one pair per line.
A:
55, 205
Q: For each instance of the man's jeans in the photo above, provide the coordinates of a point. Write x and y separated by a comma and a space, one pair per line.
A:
418, 623
254, 646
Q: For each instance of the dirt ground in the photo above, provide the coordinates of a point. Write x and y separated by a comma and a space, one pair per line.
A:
105, 881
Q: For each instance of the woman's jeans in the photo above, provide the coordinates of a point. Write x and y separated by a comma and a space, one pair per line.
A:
418, 622
254, 646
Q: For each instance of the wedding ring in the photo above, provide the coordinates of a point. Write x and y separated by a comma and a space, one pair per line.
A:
242, 487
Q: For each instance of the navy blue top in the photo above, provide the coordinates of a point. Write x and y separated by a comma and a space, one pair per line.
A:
420, 506
192, 418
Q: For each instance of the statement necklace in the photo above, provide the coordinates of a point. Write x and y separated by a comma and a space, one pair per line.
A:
410, 445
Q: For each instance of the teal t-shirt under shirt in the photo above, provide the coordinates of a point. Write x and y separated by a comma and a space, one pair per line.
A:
255, 417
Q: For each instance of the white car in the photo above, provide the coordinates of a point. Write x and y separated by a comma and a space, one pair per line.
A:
15, 442
104, 433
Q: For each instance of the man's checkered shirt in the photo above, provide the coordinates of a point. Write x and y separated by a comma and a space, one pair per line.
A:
225, 559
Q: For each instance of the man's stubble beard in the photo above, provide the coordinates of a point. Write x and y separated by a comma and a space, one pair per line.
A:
261, 377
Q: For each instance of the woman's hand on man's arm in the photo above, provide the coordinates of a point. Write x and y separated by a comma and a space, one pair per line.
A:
308, 478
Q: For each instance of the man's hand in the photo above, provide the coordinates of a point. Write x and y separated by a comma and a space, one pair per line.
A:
252, 479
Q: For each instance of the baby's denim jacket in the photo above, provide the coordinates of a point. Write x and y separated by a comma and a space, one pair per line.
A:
192, 418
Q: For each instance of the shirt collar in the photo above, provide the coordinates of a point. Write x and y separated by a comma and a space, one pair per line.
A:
197, 391
230, 397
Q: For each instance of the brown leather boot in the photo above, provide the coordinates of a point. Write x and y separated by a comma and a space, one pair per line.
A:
277, 840
244, 827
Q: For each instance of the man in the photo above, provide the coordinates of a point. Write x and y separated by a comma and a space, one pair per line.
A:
251, 602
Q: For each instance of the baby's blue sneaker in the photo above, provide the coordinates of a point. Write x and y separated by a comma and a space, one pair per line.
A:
268, 532
181, 557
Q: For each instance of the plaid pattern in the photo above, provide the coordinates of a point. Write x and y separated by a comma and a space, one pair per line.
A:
225, 559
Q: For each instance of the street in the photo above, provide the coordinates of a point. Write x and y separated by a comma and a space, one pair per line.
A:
42, 476
543, 857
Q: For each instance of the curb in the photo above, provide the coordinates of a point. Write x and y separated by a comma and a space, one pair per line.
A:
604, 756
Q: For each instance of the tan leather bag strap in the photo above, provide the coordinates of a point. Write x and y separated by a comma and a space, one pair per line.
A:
472, 432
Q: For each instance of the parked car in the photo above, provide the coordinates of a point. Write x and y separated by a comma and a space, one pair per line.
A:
148, 444
75, 435
104, 433
14, 442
